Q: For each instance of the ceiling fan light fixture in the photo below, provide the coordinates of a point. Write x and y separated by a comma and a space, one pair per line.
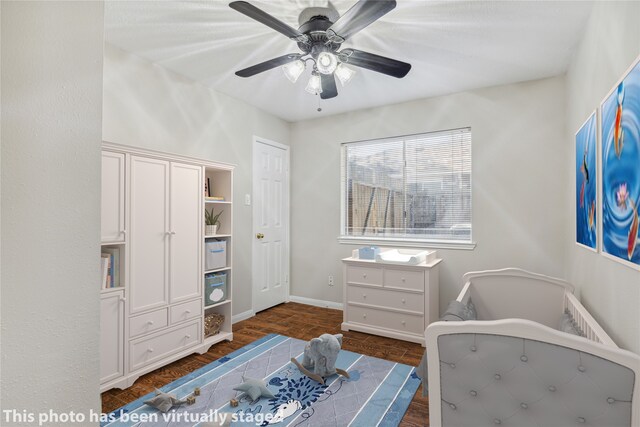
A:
326, 62
293, 70
344, 74
314, 86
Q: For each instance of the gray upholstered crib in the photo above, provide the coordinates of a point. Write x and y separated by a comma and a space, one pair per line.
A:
512, 367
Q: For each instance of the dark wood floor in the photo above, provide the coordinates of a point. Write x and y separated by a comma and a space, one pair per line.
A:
293, 320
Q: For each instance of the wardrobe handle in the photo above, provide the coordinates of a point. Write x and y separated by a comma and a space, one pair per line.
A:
173, 233
150, 350
150, 322
187, 336
123, 231
122, 299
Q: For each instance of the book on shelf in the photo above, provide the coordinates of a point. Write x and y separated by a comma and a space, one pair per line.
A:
105, 258
114, 266
214, 199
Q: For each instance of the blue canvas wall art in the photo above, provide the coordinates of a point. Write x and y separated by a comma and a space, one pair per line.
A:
586, 187
621, 169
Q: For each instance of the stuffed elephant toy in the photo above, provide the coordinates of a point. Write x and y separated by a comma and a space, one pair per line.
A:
320, 354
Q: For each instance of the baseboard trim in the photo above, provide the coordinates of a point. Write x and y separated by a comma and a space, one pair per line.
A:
316, 302
242, 316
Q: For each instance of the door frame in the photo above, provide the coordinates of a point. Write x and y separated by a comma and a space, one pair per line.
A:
287, 269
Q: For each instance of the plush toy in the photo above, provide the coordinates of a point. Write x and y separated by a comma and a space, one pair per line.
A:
320, 356
255, 388
164, 401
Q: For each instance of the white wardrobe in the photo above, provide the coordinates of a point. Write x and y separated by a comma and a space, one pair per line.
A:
152, 312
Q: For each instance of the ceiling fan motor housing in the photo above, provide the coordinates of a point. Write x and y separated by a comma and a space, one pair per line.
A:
316, 29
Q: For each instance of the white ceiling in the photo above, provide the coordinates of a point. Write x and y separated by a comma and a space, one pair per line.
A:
452, 45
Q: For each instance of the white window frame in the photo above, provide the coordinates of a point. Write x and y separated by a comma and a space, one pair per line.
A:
397, 241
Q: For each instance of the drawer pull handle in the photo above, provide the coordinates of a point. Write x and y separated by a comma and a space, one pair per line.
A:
150, 322
404, 301
403, 322
187, 336
364, 316
364, 275
150, 350
187, 312
404, 280
123, 231
364, 295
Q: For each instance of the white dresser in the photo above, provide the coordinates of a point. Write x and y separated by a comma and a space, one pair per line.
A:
390, 300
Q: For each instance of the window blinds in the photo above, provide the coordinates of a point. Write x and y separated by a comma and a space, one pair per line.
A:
411, 187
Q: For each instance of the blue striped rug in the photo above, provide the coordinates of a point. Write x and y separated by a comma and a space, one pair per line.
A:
377, 394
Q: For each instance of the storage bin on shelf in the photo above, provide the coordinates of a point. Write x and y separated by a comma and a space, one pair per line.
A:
212, 324
215, 254
215, 288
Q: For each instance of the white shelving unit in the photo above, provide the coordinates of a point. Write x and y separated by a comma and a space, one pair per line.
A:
113, 236
219, 182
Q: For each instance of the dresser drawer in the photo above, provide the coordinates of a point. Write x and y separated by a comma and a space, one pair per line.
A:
148, 322
404, 279
407, 323
145, 351
366, 275
188, 310
385, 298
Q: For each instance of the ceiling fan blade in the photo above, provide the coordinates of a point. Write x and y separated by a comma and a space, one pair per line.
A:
360, 15
264, 18
375, 62
329, 89
267, 65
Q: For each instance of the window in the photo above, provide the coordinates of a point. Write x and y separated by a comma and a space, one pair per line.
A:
408, 189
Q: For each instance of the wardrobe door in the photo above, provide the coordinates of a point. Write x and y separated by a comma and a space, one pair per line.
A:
150, 234
111, 336
112, 219
186, 237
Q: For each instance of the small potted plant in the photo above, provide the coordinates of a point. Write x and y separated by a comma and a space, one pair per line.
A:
212, 222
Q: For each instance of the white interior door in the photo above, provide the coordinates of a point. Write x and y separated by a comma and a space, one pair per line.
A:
270, 224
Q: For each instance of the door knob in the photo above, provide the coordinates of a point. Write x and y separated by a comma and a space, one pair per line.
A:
259, 236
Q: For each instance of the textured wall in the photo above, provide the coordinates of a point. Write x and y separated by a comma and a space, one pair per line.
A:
610, 290
518, 196
148, 106
51, 133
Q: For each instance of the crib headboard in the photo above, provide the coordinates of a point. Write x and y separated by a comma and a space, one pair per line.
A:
515, 372
512, 292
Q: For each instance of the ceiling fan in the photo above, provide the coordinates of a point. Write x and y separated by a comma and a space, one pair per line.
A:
320, 35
